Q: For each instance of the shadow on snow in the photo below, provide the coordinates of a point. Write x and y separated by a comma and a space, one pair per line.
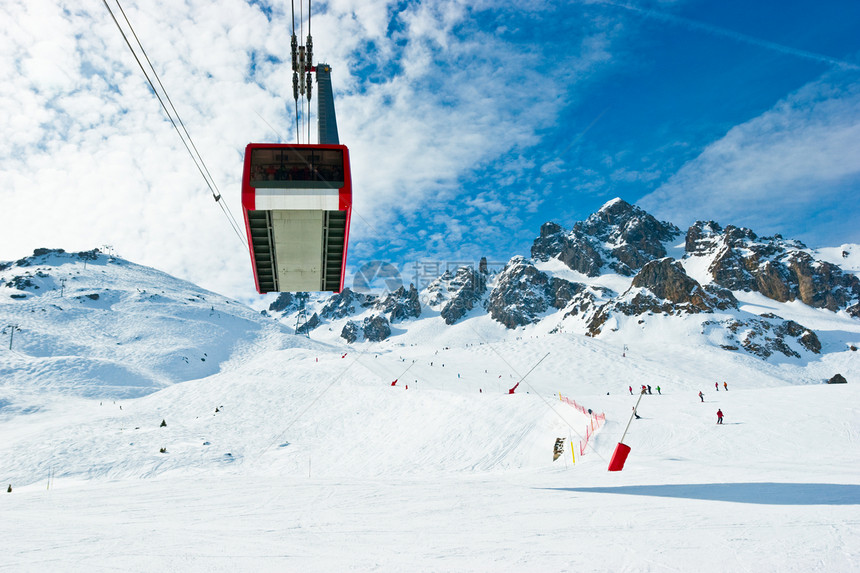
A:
767, 493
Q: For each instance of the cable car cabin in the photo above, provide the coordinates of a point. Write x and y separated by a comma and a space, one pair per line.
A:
297, 202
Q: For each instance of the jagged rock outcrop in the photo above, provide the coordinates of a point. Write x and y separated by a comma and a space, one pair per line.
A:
638, 237
587, 301
313, 322
765, 335
663, 287
373, 329
376, 328
571, 248
780, 269
42, 252
351, 331
345, 303
633, 237
439, 290
667, 279
400, 304
523, 293
466, 289
285, 302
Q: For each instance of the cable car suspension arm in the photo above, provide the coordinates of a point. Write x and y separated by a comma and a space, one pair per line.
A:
302, 57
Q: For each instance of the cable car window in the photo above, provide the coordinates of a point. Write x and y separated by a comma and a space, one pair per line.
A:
301, 167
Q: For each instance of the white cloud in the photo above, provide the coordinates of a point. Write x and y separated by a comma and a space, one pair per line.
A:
775, 172
423, 95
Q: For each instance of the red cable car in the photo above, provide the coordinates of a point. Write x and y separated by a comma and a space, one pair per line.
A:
297, 202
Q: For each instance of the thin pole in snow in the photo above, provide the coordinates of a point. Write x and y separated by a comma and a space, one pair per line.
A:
631, 416
12, 328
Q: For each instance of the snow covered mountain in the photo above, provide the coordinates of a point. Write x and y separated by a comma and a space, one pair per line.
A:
102, 326
614, 275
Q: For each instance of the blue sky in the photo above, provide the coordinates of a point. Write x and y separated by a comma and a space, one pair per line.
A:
470, 123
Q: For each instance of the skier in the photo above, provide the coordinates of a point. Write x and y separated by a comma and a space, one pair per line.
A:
631, 389
658, 390
719, 416
638, 417
649, 388
726, 386
717, 386
701, 396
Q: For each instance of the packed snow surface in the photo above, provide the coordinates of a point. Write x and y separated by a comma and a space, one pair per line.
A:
284, 453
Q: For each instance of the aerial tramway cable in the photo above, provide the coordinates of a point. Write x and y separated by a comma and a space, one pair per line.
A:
183, 133
302, 65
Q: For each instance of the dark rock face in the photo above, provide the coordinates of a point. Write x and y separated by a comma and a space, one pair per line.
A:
400, 304
351, 331
43, 251
821, 284
21, 283
467, 288
26, 281
639, 236
373, 329
344, 304
38, 257
663, 287
376, 328
285, 301
587, 301
573, 249
666, 279
780, 269
838, 379
766, 335
313, 322
91, 255
636, 236
523, 293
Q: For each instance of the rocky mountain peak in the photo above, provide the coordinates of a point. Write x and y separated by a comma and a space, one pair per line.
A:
620, 223
466, 289
620, 235
400, 304
780, 269
663, 287
522, 293
345, 303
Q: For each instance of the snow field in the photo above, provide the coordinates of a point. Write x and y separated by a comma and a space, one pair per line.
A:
331, 468
314, 462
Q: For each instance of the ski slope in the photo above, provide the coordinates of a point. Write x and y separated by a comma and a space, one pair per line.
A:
314, 462
286, 453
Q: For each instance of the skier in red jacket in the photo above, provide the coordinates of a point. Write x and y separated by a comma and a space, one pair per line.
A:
719, 416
